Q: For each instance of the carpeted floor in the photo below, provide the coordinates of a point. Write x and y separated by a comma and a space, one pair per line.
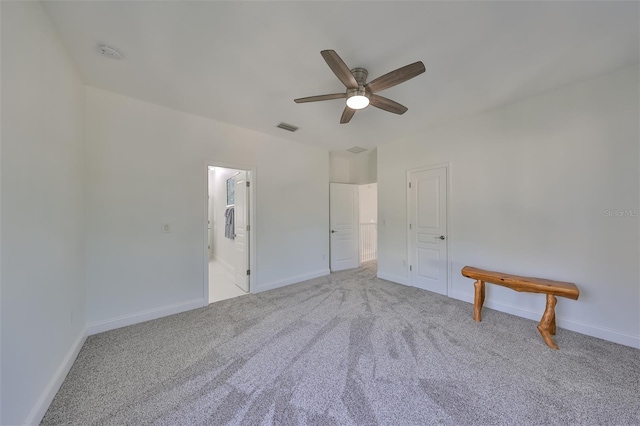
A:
346, 349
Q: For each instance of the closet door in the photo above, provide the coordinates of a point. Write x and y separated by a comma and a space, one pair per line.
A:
428, 263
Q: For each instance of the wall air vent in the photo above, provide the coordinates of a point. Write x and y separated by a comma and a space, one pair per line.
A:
356, 150
287, 127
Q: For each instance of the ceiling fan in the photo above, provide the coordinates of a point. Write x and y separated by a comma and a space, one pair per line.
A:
359, 93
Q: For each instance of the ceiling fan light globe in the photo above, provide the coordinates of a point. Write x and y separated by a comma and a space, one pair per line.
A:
357, 102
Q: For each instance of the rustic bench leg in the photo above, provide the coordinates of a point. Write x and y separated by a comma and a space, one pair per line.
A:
478, 300
547, 323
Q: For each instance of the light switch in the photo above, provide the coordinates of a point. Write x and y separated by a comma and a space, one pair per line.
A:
166, 228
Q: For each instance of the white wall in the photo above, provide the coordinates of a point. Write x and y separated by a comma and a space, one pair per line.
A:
340, 169
530, 186
146, 165
43, 296
364, 167
372, 158
346, 167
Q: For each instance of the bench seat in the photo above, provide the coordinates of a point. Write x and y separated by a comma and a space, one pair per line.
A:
551, 288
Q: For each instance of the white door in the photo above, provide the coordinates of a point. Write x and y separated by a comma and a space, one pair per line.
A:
343, 219
241, 223
428, 263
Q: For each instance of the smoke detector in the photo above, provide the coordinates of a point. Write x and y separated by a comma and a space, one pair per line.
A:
109, 52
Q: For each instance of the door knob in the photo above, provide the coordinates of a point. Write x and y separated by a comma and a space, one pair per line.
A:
332, 231
441, 237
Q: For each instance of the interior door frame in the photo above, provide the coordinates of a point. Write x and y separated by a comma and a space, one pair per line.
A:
447, 167
253, 210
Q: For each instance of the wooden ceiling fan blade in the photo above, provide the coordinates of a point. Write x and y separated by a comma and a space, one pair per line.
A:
396, 77
346, 115
339, 68
320, 98
387, 104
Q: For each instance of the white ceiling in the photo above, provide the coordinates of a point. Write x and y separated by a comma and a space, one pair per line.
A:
244, 62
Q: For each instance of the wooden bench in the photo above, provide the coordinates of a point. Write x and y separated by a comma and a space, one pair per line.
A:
547, 326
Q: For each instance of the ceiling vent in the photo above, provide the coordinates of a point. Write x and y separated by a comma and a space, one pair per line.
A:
356, 150
109, 52
287, 127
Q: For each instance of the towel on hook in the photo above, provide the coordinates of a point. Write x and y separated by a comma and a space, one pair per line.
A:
229, 229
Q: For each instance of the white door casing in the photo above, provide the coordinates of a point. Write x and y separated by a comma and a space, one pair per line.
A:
427, 221
344, 220
241, 222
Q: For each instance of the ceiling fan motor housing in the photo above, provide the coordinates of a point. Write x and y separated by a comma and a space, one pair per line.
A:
361, 91
356, 97
360, 74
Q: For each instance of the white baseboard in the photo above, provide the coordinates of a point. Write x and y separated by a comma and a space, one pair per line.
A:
569, 324
40, 409
149, 314
291, 280
225, 265
393, 278
600, 332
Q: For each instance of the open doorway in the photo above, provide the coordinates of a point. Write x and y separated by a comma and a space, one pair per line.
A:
229, 233
353, 217
368, 211
353, 208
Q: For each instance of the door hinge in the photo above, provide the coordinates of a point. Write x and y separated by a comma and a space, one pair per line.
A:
248, 227
409, 226
410, 268
248, 271
248, 184
409, 184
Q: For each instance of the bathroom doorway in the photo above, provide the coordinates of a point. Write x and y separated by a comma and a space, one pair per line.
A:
229, 232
